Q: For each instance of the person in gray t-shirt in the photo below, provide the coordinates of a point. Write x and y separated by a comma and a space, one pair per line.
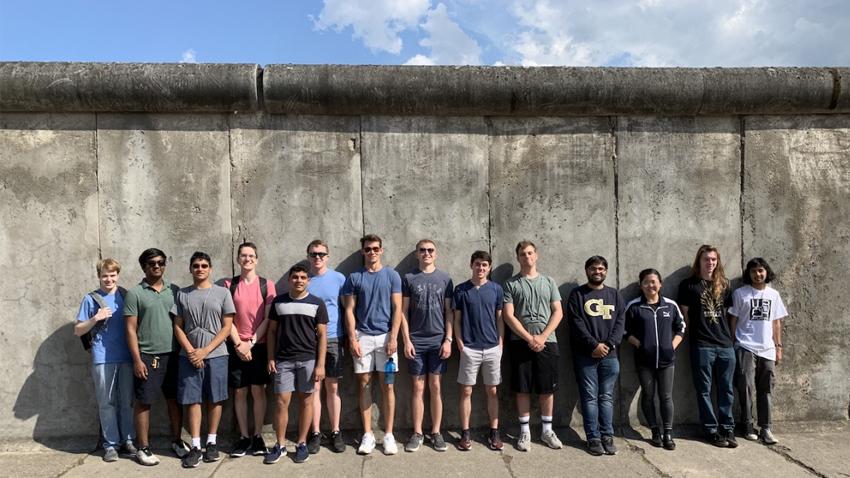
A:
427, 332
203, 315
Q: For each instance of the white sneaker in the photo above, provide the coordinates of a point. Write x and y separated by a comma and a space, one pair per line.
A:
524, 441
367, 444
146, 457
551, 439
390, 447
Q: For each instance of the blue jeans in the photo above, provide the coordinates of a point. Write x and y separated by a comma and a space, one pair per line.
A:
596, 379
113, 389
714, 364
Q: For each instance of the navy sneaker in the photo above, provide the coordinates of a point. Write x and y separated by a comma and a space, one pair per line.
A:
274, 454
302, 454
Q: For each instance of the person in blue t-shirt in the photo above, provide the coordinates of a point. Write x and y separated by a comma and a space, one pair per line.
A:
100, 315
326, 284
372, 298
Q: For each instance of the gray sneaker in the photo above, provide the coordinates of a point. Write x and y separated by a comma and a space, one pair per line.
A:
608, 445
551, 440
438, 442
127, 449
110, 455
594, 447
767, 437
414, 442
523, 443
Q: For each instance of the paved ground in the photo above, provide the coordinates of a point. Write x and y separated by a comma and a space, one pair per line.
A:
814, 451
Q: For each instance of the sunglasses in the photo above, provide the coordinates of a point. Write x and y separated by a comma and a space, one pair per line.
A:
200, 265
155, 263
429, 250
321, 255
375, 249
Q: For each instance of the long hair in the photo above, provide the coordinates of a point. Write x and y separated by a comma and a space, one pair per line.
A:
719, 282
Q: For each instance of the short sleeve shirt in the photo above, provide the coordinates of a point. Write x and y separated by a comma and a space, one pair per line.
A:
154, 331
373, 291
328, 287
426, 315
756, 310
706, 315
250, 306
109, 339
532, 300
203, 311
297, 322
478, 306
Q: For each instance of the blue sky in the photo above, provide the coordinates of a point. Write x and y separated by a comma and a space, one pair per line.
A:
492, 32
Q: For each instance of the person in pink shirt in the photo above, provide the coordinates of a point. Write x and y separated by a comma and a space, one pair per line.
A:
252, 296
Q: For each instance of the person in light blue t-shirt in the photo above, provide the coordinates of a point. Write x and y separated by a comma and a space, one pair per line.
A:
326, 284
372, 298
100, 315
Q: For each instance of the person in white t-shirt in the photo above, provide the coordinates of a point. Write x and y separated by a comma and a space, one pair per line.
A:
756, 314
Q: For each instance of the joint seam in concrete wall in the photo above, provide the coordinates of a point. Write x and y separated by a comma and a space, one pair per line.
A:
489, 123
97, 187
742, 133
612, 123
230, 189
359, 149
836, 88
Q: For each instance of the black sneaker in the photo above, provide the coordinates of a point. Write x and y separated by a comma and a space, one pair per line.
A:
193, 458
301, 453
667, 440
240, 448
274, 454
211, 453
608, 445
731, 442
656, 437
180, 448
314, 442
594, 447
258, 446
717, 440
337, 442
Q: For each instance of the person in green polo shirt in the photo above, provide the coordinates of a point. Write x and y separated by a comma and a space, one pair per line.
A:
150, 337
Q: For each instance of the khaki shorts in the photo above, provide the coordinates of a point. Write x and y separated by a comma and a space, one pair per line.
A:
489, 361
373, 353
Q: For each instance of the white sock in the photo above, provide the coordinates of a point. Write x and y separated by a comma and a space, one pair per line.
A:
196, 442
523, 424
547, 423
211, 438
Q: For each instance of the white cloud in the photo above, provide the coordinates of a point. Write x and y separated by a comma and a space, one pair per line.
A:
376, 22
189, 56
448, 43
677, 33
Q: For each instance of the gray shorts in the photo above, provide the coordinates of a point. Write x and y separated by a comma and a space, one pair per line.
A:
294, 376
489, 361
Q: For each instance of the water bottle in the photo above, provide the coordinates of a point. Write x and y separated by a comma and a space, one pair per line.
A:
389, 371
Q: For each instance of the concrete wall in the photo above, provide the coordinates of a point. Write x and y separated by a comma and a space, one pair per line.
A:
641, 182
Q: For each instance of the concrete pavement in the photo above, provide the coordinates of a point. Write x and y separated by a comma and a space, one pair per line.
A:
822, 451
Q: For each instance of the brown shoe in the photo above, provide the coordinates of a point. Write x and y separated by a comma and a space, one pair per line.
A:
495, 441
465, 442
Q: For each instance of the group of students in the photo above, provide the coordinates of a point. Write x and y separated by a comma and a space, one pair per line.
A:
195, 343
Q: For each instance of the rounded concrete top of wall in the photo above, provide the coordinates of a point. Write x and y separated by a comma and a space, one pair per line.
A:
128, 87
421, 90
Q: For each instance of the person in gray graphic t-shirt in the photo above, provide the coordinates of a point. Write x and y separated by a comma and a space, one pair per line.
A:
203, 314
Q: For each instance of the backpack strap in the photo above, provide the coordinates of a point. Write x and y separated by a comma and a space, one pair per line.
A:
233, 283
264, 286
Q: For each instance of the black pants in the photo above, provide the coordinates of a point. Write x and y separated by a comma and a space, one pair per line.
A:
754, 379
657, 381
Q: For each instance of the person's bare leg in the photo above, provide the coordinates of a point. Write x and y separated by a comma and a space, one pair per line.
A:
281, 417
175, 418
317, 407
465, 406
193, 419
492, 405
258, 393
417, 402
523, 404
142, 415
305, 416
240, 406
365, 400
547, 404
334, 403
435, 390
213, 417
388, 394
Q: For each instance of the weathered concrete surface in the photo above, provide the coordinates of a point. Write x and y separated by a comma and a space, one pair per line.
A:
427, 178
666, 210
164, 181
48, 247
552, 181
796, 204
128, 87
295, 180
549, 91
821, 453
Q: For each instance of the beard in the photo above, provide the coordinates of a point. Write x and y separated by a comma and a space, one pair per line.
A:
596, 280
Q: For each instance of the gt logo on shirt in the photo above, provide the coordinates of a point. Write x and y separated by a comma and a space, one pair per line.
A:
597, 307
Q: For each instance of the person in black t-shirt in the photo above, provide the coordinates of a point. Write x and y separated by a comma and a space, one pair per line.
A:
297, 343
704, 298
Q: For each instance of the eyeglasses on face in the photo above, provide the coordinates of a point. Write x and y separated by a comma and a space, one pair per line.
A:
247, 256
160, 263
375, 249
320, 255
429, 250
200, 265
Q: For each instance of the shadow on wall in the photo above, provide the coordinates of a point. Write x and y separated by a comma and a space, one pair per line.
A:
60, 394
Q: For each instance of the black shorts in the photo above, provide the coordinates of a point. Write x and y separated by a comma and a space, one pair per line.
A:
333, 359
254, 372
534, 372
162, 378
